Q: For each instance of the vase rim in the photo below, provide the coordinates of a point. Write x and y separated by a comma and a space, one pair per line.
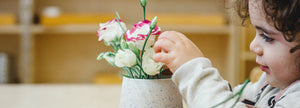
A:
147, 79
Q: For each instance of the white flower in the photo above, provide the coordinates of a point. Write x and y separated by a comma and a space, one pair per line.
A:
111, 30
125, 58
149, 66
140, 43
139, 33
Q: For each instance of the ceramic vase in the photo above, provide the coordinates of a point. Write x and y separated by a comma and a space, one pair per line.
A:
150, 93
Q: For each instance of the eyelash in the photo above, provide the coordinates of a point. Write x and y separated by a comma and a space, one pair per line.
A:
266, 38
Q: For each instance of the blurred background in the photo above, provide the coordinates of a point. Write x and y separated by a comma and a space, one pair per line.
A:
48, 48
55, 41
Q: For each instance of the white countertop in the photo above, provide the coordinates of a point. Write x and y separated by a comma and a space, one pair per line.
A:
60, 96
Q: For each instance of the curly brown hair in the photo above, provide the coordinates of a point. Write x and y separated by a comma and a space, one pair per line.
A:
284, 13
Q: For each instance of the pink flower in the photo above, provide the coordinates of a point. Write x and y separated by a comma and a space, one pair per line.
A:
111, 30
139, 33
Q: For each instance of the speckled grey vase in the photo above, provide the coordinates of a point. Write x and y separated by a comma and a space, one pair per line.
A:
150, 93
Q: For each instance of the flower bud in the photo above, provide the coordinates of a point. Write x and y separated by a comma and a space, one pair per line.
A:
133, 48
108, 56
143, 2
123, 44
100, 56
153, 23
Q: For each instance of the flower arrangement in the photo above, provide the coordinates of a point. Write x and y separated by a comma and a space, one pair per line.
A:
132, 49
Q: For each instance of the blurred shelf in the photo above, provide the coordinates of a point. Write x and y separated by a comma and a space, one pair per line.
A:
189, 18
7, 18
9, 29
92, 28
203, 29
76, 18
40, 29
66, 29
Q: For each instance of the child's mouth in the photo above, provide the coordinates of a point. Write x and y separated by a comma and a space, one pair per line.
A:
264, 68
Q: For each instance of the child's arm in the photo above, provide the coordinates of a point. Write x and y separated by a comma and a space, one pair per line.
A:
199, 82
201, 85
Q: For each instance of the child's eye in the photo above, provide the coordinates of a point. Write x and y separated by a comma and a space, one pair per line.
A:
266, 37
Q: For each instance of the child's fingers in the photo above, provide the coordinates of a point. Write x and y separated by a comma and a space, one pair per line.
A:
185, 40
178, 49
163, 44
162, 57
170, 35
182, 37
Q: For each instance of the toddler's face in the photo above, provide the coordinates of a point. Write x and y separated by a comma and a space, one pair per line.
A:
272, 49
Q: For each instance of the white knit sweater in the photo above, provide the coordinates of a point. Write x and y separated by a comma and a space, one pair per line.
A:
201, 86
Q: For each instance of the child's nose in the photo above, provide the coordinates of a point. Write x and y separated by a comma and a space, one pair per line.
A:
256, 47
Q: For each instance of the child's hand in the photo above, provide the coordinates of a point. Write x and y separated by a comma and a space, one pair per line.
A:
177, 50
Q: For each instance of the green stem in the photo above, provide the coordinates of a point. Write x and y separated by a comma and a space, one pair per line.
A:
144, 11
113, 46
139, 65
236, 101
118, 20
135, 72
143, 73
143, 50
119, 47
128, 71
117, 13
239, 93
229, 98
159, 76
120, 25
125, 75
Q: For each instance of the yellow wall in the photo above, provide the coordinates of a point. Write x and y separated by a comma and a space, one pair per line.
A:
71, 58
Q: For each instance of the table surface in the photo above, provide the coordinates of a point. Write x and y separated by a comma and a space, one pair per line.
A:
60, 96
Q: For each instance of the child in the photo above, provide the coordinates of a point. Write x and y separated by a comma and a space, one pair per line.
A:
276, 45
